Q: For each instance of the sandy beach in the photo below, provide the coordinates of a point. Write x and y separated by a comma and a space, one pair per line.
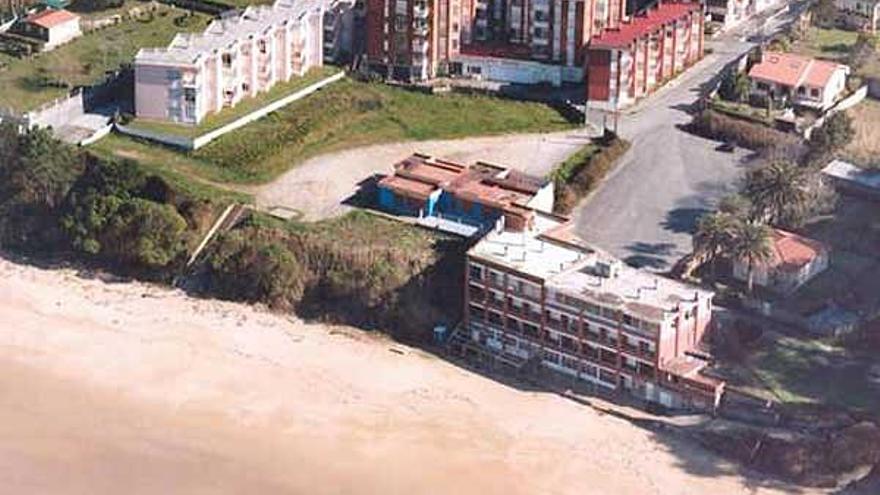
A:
112, 388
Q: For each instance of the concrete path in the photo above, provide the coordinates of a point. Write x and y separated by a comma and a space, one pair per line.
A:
320, 187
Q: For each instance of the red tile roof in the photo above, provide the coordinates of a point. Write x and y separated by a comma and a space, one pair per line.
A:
791, 251
793, 70
50, 18
642, 24
491, 185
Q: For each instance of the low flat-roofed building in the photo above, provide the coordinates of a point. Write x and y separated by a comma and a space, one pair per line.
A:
544, 295
480, 195
800, 80
794, 261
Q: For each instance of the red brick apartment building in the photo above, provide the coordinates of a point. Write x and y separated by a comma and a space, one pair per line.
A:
627, 63
542, 295
532, 41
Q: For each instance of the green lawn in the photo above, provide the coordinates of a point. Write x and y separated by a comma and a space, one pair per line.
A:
827, 43
813, 372
246, 106
175, 167
343, 115
85, 60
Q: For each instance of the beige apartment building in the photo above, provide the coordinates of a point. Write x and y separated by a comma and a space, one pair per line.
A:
198, 74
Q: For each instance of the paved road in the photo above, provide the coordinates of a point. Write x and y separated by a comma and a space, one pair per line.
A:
645, 212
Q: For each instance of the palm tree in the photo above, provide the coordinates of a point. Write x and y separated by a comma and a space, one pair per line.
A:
779, 192
751, 243
713, 237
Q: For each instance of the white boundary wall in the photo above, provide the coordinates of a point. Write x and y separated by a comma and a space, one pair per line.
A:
192, 144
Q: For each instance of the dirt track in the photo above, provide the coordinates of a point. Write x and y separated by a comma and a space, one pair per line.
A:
126, 388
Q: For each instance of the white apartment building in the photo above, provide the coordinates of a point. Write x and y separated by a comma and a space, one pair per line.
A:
234, 58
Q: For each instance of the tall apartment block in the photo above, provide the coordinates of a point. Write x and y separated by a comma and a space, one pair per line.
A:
629, 62
540, 294
234, 58
519, 41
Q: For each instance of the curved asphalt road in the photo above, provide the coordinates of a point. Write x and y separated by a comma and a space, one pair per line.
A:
645, 211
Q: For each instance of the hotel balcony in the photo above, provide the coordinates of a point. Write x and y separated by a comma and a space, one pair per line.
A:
420, 30
420, 11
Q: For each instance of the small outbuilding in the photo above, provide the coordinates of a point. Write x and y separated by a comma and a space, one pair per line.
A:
795, 260
51, 27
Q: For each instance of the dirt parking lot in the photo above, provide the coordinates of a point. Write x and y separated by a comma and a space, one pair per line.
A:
317, 188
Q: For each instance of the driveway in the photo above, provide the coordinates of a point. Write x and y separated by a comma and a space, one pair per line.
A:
645, 212
320, 187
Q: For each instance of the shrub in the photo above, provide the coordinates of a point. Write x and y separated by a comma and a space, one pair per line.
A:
714, 125
577, 177
360, 269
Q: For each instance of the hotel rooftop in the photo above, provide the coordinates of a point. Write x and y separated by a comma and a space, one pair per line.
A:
551, 252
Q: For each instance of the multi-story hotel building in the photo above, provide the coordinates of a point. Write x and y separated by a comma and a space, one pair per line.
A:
234, 58
629, 62
540, 294
519, 41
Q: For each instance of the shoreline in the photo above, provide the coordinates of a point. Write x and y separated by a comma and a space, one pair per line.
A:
125, 386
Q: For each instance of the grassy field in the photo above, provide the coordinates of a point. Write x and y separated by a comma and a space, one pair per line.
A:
343, 115
174, 167
864, 150
86, 59
827, 43
794, 370
246, 106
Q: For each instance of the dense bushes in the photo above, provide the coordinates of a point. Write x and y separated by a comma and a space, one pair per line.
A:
361, 270
714, 125
55, 199
580, 174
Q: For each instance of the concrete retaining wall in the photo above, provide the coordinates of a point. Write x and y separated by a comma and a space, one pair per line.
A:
59, 112
97, 135
191, 144
167, 139
844, 104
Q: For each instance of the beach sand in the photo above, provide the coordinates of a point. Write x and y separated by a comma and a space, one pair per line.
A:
112, 388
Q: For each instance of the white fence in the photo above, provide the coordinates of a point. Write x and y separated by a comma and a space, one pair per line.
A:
844, 104
191, 144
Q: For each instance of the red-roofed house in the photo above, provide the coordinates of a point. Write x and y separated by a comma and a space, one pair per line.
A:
628, 62
52, 27
797, 79
795, 260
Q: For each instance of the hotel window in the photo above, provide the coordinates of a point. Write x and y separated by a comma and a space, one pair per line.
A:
539, 33
607, 376
227, 60
189, 95
494, 318
476, 272
476, 313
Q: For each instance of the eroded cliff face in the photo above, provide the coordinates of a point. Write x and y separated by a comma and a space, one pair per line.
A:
821, 457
